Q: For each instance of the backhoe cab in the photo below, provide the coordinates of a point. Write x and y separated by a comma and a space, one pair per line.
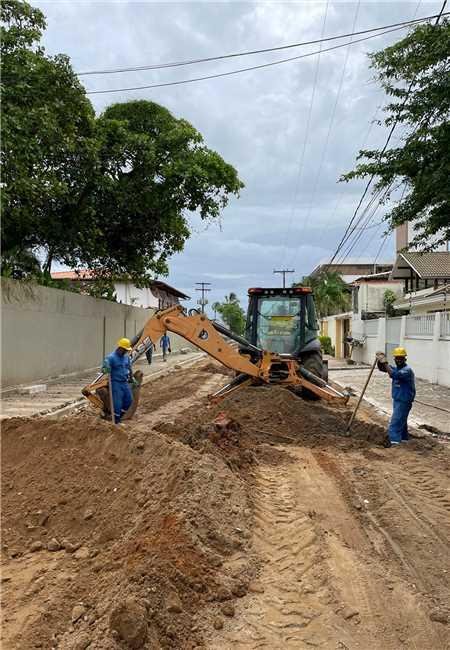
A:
284, 321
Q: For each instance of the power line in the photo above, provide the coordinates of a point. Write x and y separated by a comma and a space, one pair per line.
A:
176, 64
391, 131
240, 70
305, 139
330, 126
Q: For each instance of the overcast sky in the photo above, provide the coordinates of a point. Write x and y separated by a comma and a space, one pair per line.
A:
292, 211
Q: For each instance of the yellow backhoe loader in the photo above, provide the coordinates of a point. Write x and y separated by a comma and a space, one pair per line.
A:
280, 346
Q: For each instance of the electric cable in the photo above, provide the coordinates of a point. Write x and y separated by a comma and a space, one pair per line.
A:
241, 70
305, 140
391, 131
175, 64
330, 126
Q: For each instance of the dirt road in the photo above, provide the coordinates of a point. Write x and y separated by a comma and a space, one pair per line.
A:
273, 532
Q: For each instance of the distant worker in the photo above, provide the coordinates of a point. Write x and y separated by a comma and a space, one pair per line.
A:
403, 394
165, 345
149, 353
118, 366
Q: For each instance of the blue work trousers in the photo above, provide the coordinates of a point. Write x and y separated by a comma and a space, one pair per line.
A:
122, 398
398, 426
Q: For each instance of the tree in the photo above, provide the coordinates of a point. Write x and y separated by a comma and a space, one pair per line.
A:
415, 73
112, 193
232, 313
331, 293
47, 138
389, 297
215, 307
153, 170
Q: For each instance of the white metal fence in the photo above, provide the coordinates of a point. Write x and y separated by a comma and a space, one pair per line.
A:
420, 325
445, 325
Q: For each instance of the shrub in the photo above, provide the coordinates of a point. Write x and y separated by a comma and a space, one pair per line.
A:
325, 344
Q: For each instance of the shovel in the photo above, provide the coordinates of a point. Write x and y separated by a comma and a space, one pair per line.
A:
347, 431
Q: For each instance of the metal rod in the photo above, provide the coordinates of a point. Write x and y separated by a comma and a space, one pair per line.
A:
111, 400
361, 396
236, 337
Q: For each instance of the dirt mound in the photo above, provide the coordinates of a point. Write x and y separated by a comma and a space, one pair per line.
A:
149, 522
272, 414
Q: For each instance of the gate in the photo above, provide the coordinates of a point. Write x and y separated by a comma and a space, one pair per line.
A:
393, 326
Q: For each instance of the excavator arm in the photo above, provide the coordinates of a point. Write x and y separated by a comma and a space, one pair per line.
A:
197, 329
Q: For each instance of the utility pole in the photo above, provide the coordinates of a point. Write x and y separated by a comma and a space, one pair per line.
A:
203, 288
284, 271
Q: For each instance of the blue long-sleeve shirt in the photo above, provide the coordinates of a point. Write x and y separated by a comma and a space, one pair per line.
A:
403, 384
119, 366
164, 342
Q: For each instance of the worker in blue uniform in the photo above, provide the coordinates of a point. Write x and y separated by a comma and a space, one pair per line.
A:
118, 366
403, 394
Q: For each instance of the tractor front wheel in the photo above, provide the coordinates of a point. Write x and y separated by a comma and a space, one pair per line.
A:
314, 363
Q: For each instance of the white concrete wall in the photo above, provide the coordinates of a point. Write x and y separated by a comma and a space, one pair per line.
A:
371, 294
428, 355
48, 332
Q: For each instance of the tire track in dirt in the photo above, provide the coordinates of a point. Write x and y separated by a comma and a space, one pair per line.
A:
322, 581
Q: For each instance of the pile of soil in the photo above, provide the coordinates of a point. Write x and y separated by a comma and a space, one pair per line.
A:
139, 536
274, 414
112, 541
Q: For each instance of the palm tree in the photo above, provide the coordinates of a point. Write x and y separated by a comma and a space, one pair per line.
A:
232, 298
331, 293
215, 307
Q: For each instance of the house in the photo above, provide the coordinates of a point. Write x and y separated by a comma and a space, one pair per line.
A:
367, 302
426, 281
368, 292
157, 294
350, 271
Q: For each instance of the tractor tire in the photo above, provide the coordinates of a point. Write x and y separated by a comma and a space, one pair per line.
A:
314, 363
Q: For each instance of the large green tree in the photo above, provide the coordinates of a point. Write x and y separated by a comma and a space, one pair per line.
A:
415, 73
331, 294
47, 139
113, 193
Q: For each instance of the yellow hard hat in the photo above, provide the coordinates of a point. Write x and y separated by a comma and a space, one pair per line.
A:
124, 343
399, 352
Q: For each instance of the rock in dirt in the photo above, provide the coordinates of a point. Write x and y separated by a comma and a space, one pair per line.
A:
54, 545
79, 642
349, 612
239, 589
36, 546
227, 610
223, 594
77, 612
82, 553
173, 603
128, 619
88, 514
440, 616
218, 623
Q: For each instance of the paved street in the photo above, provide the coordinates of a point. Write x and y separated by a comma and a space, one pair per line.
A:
379, 394
66, 391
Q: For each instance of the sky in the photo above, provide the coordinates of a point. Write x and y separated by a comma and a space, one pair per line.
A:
290, 130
